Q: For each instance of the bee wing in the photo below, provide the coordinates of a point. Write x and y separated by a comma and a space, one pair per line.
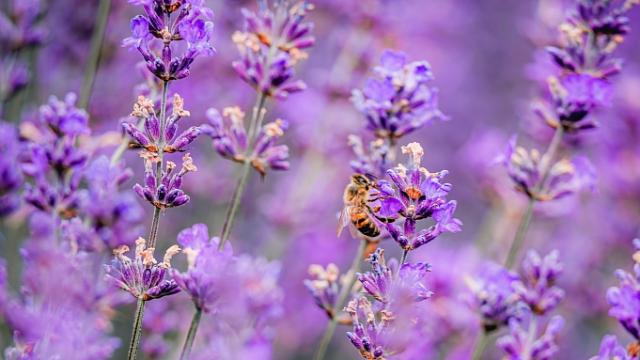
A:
344, 219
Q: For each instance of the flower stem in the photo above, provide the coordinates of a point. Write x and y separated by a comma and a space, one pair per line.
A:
254, 125
94, 56
525, 221
342, 297
403, 258
136, 334
480, 345
191, 335
520, 234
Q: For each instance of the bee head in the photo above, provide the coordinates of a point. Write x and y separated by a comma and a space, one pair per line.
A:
360, 180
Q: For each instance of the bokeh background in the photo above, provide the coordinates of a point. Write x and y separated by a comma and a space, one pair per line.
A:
488, 62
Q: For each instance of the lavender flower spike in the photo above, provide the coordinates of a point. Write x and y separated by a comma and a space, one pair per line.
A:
420, 195
270, 46
367, 330
165, 192
564, 177
10, 176
493, 295
400, 98
610, 349
624, 299
207, 267
143, 277
324, 286
230, 140
525, 342
156, 30
537, 287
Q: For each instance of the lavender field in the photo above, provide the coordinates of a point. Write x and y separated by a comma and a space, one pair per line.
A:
320, 179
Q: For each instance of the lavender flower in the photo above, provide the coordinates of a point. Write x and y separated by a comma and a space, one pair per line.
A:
400, 99
386, 284
624, 299
380, 328
367, 330
230, 140
270, 46
420, 195
591, 34
565, 177
150, 139
19, 26
51, 318
324, 286
524, 342
611, 350
493, 295
52, 158
156, 35
113, 215
537, 284
165, 192
10, 176
207, 270
143, 277
372, 161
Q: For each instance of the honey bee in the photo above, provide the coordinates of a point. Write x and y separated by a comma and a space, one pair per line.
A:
357, 209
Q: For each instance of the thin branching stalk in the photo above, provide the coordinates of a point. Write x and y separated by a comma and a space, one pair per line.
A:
136, 333
342, 297
254, 125
191, 335
525, 221
94, 55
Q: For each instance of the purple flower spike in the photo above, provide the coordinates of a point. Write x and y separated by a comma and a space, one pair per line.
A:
400, 99
537, 285
165, 192
565, 177
52, 158
386, 284
624, 299
149, 137
610, 349
234, 288
156, 36
371, 161
270, 46
368, 332
524, 342
10, 176
324, 286
143, 277
230, 140
493, 295
418, 195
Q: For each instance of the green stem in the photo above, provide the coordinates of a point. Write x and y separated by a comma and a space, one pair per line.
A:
155, 225
94, 56
342, 297
254, 125
136, 334
191, 335
480, 345
520, 234
525, 221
